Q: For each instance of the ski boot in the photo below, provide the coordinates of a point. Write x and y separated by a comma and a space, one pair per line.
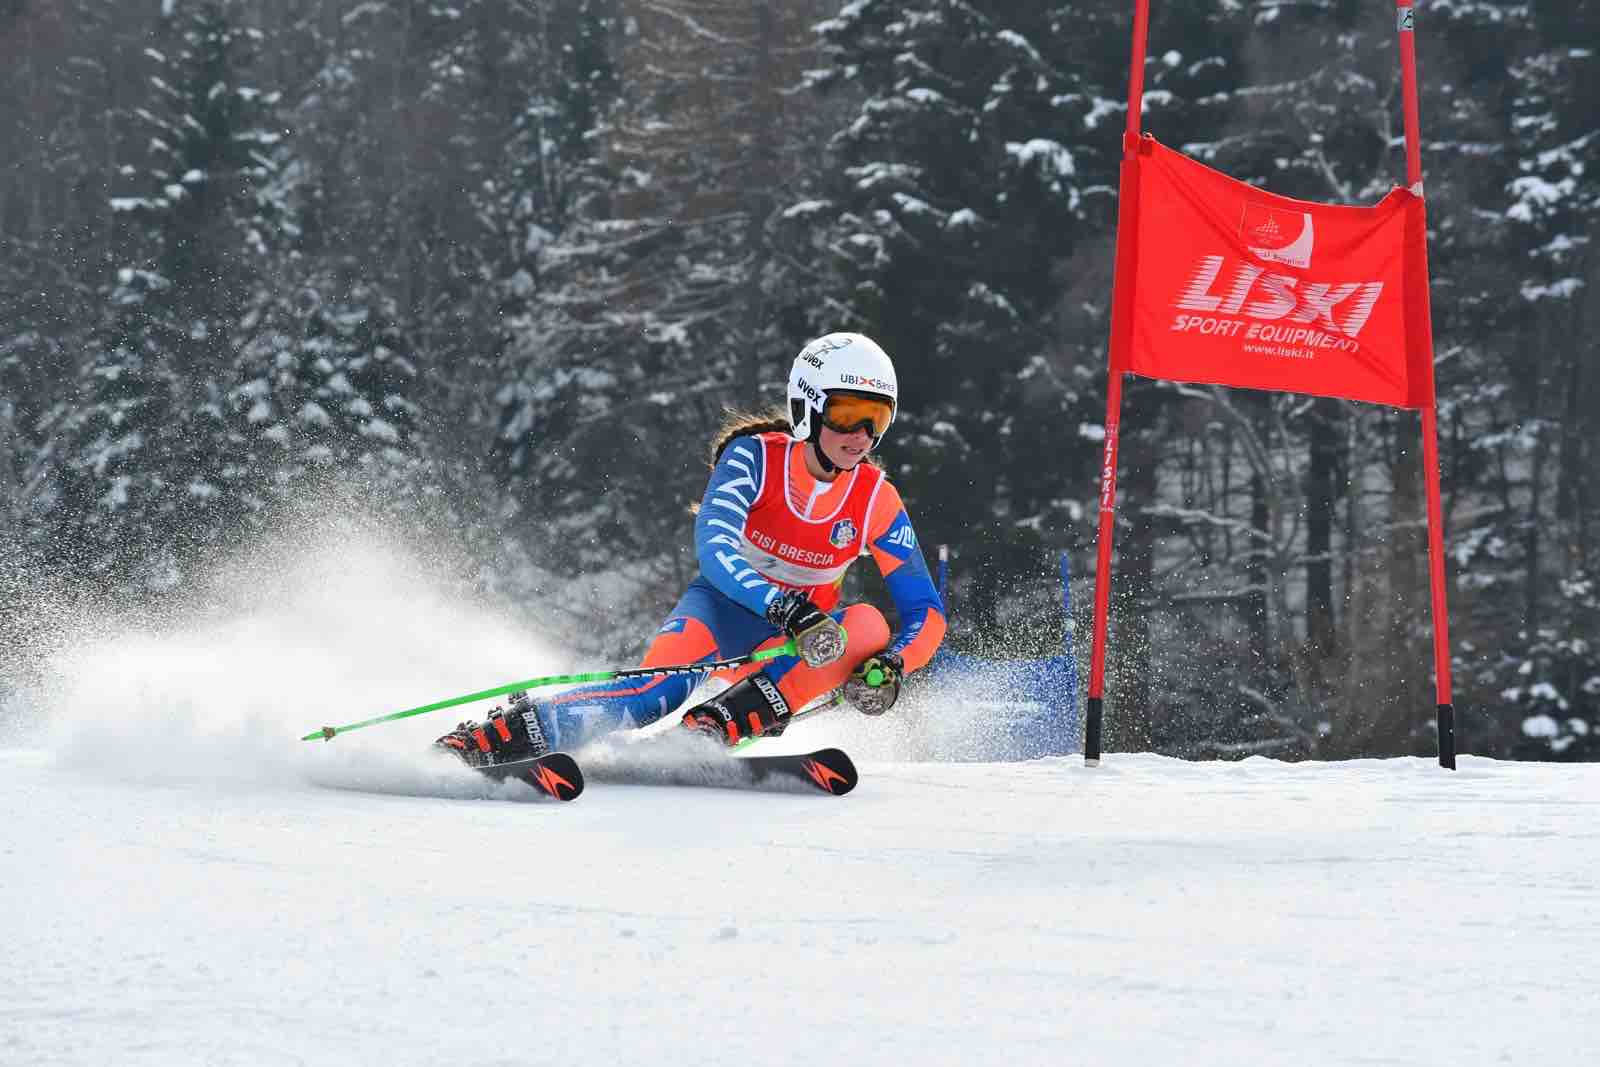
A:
508, 734
749, 708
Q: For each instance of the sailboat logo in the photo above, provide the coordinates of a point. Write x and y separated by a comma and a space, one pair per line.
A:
1278, 236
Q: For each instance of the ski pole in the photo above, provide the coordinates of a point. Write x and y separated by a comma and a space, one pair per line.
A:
788, 648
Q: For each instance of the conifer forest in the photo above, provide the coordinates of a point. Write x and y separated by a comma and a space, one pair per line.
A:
484, 274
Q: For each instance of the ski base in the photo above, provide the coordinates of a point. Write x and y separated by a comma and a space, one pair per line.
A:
555, 774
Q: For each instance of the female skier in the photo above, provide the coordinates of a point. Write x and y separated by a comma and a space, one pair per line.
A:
790, 505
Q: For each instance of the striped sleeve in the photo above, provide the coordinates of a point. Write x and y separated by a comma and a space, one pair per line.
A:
719, 526
894, 548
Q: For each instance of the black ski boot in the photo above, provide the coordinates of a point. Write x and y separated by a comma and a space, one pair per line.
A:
749, 708
508, 734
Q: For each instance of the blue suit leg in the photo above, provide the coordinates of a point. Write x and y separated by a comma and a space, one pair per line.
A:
705, 625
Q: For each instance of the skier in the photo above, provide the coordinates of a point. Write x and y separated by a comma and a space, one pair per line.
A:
792, 502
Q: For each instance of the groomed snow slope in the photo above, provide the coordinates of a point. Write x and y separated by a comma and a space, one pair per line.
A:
1146, 912
182, 882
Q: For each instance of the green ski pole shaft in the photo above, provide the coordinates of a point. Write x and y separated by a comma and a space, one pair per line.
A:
328, 733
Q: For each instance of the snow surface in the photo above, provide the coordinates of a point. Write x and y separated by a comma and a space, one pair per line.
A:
183, 882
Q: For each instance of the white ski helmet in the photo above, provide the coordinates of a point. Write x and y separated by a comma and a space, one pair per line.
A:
846, 362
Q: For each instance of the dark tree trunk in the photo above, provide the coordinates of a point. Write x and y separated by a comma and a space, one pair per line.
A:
1406, 665
1256, 605
758, 204
1321, 502
1130, 727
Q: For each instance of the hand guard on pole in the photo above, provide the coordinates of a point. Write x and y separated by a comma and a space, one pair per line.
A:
817, 636
874, 686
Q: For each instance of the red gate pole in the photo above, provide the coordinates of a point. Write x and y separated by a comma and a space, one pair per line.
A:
1121, 313
1405, 25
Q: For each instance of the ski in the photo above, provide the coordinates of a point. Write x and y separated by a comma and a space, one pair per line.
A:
827, 770
555, 774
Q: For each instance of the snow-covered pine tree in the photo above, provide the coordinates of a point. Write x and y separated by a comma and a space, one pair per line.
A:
1530, 556
416, 217
139, 478
659, 299
63, 111
433, 151
553, 173
324, 403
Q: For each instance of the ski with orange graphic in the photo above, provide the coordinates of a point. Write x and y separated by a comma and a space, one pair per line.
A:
690, 761
827, 769
555, 774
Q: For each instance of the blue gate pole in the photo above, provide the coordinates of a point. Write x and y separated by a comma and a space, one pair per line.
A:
1068, 635
1066, 601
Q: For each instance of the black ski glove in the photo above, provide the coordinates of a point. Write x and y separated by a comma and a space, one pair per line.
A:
874, 686
819, 638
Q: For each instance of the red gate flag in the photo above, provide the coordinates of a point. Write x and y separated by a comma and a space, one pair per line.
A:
1233, 285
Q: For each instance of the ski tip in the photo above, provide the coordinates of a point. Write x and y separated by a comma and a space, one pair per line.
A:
830, 770
556, 775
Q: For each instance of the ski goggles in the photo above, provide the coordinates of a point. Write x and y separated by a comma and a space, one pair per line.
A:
848, 412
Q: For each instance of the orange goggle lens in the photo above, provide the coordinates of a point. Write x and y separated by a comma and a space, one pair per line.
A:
845, 413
